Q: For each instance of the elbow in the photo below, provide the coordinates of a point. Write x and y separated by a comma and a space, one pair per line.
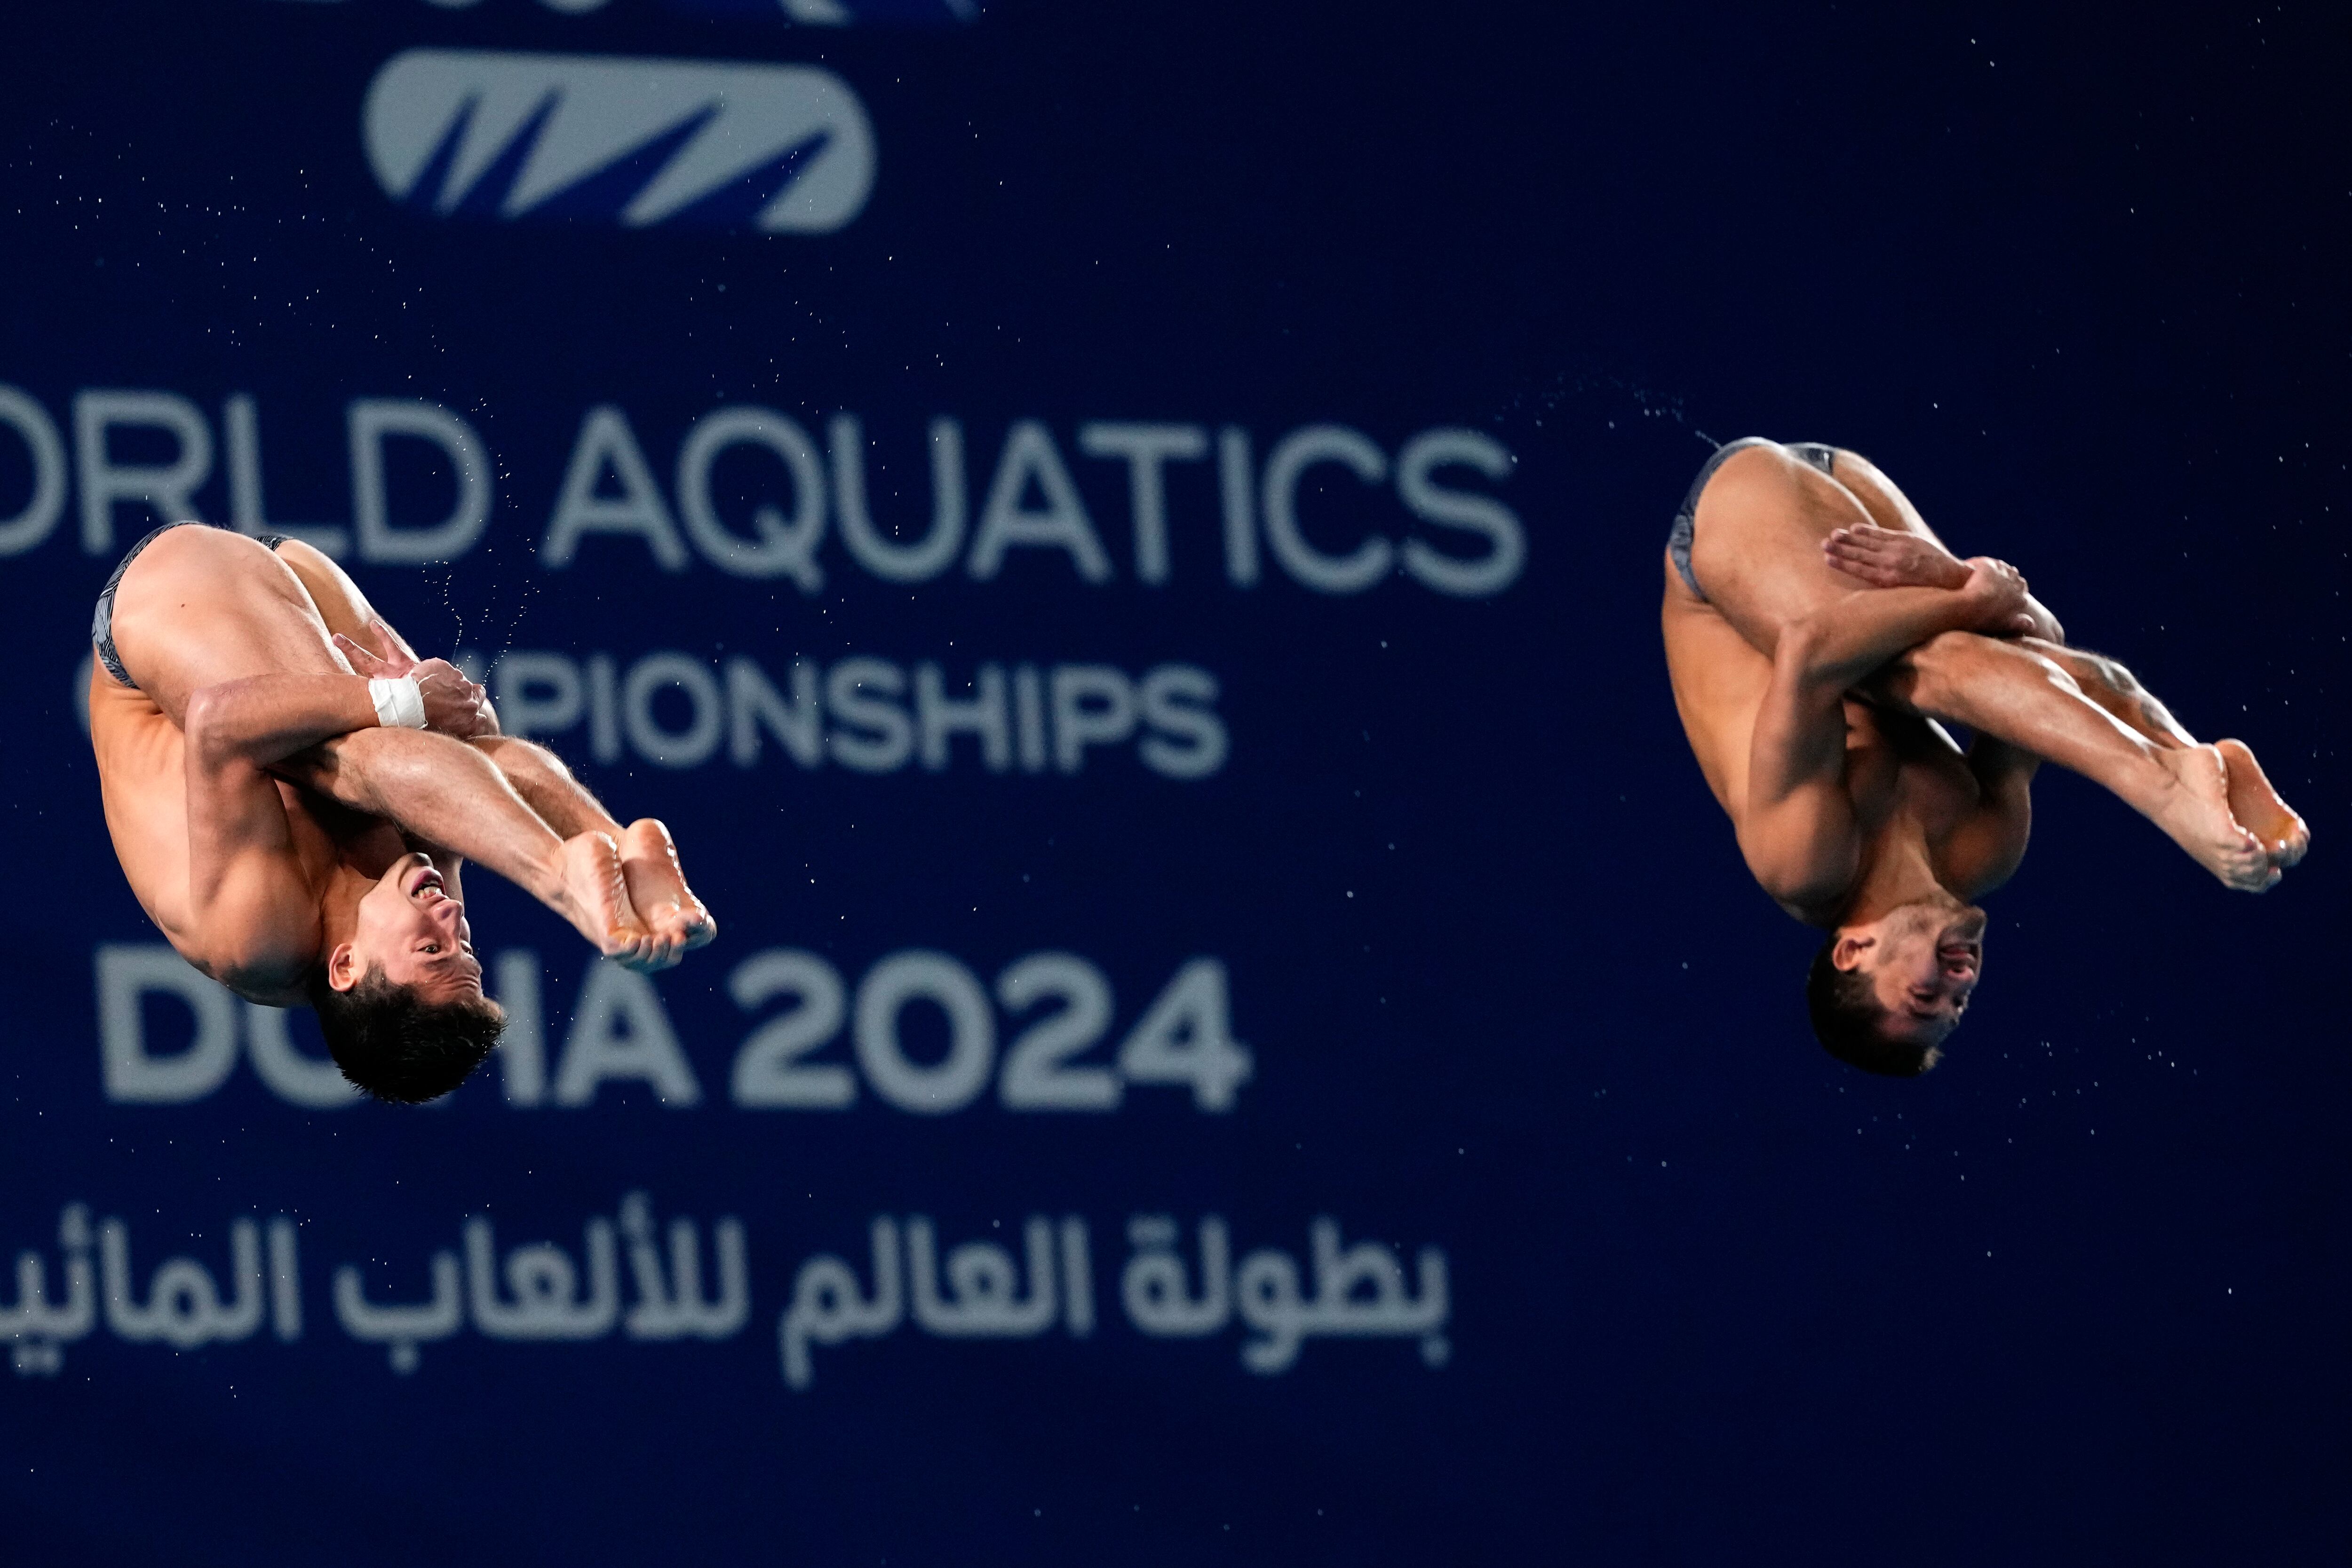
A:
1812, 880
1810, 659
205, 723
1800, 652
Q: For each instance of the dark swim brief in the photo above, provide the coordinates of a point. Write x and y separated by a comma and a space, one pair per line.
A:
1678, 538
101, 622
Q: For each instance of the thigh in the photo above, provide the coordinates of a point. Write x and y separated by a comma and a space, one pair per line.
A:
1888, 507
341, 604
1757, 546
202, 606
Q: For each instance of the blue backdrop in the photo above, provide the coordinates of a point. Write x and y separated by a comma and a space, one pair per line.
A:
1124, 542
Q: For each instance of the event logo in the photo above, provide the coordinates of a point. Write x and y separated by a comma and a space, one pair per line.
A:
637, 143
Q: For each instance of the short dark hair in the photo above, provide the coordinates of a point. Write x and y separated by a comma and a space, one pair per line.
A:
395, 1045
1846, 1018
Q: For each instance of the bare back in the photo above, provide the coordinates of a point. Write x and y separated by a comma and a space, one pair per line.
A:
197, 608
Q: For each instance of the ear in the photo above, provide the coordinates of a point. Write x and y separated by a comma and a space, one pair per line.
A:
343, 967
1846, 956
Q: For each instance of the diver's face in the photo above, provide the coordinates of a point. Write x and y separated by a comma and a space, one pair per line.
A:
1923, 968
416, 934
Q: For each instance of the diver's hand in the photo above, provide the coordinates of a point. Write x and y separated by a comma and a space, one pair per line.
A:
1888, 558
452, 705
2000, 589
381, 657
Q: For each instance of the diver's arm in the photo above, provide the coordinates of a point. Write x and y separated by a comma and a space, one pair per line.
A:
1840, 643
261, 720
465, 710
264, 719
1797, 828
253, 918
1895, 557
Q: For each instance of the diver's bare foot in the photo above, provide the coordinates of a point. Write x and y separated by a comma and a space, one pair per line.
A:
596, 899
2196, 813
2253, 802
677, 919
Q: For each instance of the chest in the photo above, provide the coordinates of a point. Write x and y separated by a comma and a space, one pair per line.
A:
1900, 766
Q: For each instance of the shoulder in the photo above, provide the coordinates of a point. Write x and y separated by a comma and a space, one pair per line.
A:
261, 935
1804, 849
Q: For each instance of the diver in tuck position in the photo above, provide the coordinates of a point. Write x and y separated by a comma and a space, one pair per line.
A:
292, 793
1815, 631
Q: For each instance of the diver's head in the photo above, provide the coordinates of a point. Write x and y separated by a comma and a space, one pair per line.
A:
1883, 993
399, 1000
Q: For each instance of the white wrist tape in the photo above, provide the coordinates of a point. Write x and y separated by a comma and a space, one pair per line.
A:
399, 702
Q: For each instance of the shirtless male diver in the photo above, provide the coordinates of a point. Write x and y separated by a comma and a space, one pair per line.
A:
293, 794
1815, 631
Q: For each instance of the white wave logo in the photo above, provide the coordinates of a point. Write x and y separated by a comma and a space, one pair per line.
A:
637, 142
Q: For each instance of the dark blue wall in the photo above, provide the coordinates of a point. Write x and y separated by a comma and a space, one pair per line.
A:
1669, 1286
